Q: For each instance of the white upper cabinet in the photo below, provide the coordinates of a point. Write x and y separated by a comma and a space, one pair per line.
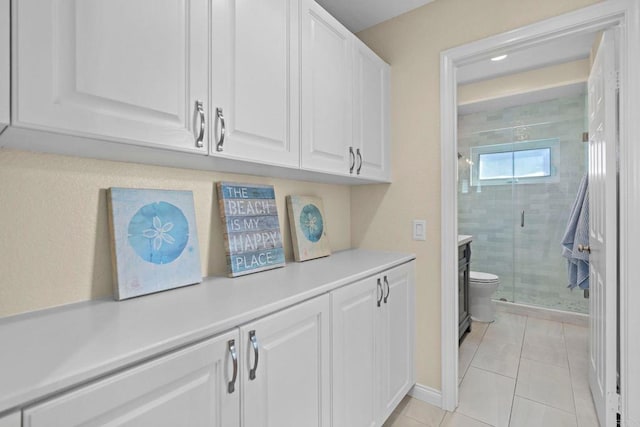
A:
371, 133
286, 381
189, 387
326, 92
275, 87
4, 63
132, 71
255, 81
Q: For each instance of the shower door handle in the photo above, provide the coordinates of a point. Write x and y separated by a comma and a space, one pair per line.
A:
522, 219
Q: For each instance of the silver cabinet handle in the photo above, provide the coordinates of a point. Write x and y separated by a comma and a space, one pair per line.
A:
353, 160
220, 116
359, 159
386, 282
522, 219
379, 288
200, 111
231, 387
254, 344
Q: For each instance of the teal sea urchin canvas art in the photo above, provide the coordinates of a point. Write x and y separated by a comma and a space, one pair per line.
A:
154, 240
308, 227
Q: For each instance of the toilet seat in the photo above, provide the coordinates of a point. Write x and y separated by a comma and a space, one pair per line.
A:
482, 278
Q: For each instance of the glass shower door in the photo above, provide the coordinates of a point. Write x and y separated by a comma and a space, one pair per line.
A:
485, 203
549, 174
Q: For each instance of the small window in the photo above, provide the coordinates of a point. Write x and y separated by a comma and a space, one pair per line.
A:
515, 164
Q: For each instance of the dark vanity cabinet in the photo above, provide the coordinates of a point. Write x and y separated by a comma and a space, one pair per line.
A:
464, 319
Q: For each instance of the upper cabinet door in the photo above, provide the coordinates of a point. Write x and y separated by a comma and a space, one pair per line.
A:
4, 63
255, 81
133, 71
326, 92
371, 133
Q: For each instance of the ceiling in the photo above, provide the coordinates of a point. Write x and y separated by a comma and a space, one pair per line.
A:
357, 15
568, 48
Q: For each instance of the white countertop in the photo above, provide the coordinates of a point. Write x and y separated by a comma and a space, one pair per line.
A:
48, 351
464, 239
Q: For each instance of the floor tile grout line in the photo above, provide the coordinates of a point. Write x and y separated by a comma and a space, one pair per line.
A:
515, 385
552, 365
492, 372
548, 406
465, 415
573, 392
474, 354
525, 329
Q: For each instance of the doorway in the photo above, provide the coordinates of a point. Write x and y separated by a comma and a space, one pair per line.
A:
589, 20
520, 167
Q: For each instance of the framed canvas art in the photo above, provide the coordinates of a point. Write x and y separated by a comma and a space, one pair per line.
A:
308, 227
252, 237
154, 241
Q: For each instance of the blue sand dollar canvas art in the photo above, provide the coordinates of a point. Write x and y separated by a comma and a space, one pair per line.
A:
308, 227
252, 237
154, 240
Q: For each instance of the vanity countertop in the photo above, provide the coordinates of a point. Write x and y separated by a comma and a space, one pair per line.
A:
464, 239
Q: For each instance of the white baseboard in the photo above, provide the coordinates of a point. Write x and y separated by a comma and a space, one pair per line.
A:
426, 394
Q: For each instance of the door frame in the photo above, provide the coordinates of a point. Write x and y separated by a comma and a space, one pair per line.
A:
623, 13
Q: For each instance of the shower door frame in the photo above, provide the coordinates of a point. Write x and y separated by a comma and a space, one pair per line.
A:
626, 15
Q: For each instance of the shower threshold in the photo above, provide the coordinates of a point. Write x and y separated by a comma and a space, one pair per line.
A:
542, 313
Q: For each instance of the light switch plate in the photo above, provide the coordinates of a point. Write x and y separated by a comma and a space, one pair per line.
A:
419, 229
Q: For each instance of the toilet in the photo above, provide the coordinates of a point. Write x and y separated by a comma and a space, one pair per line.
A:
482, 286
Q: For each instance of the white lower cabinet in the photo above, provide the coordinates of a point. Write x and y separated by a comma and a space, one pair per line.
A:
273, 372
397, 346
11, 420
286, 377
341, 359
189, 387
5, 67
356, 321
373, 347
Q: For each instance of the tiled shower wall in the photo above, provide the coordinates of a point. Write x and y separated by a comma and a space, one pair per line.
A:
527, 259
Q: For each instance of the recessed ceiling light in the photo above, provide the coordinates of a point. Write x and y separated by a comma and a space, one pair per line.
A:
498, 58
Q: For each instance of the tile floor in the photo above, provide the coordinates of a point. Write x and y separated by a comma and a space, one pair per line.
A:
517, 371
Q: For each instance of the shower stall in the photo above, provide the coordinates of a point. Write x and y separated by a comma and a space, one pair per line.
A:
519, 169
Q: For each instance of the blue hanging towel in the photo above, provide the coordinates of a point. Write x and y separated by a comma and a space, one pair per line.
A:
577, 233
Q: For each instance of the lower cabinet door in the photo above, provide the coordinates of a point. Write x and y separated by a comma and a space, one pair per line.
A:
397, 346
285, 372
189, 387
11, 420
355, 324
